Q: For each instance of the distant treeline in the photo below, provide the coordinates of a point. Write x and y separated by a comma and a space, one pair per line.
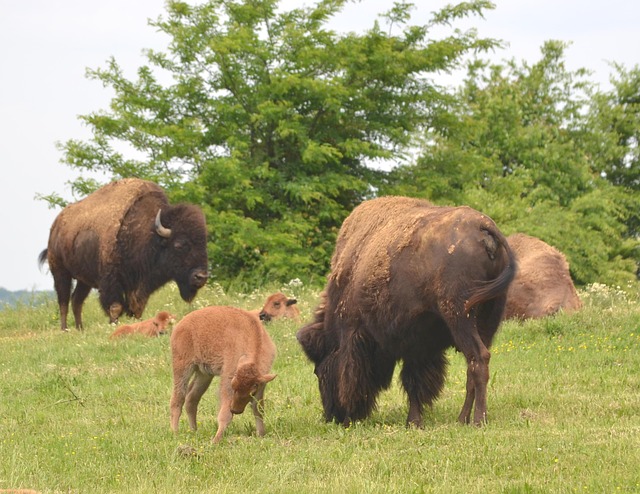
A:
28, 297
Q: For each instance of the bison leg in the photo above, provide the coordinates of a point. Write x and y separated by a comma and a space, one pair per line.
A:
257, 405
181, 375
478, 358
197, 388
80, 294
62, 285
224, 414
423, 381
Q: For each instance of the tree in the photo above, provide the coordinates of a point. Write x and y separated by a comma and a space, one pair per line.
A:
519, 145
269, 120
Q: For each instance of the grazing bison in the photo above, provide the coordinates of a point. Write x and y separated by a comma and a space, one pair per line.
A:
127, 241
542, 285
226, 342
408, 280
155, 326
279, 305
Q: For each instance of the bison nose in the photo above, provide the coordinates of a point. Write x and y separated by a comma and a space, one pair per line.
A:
199, 278
264, 316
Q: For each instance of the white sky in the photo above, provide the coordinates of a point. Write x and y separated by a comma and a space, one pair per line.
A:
45, 48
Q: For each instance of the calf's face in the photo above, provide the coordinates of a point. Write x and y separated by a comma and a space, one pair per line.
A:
277, 305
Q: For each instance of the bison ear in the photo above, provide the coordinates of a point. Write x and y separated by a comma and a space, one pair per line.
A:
265, 378
291, 301
161, 230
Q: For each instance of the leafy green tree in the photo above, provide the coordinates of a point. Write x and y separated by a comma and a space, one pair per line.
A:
268, 119
518, 144
615, 118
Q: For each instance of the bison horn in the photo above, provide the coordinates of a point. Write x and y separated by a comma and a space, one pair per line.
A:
161, 230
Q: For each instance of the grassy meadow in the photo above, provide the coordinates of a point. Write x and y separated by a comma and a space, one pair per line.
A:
82, 413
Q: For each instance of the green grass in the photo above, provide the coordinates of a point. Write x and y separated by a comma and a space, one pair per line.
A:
81, 413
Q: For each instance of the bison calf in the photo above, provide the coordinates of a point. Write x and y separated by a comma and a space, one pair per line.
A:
149, 327
226, 342
279, 305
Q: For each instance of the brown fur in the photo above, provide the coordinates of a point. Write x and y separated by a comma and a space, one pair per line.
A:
279, 305
226, 342
155, 326
109, 240
542, 285
408, 280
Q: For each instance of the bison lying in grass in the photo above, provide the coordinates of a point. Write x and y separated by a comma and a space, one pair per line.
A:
542, 286
155, 326
279, 305
226, 342
408, 280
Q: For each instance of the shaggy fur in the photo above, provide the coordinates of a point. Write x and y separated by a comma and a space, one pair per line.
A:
155, 326
408, 280
279, 305
542, 285
226, 342
109, 241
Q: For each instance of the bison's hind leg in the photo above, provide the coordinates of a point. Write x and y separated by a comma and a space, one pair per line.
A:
423, 380
181, 375
62, 283
197, 388
80, 293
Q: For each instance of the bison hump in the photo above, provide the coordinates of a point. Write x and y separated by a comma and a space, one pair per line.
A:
103, 211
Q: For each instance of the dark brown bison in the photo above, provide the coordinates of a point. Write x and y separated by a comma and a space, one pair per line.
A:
408, 280
127, 241
542, 285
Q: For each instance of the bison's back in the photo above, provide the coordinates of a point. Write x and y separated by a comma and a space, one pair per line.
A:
210, 333
398, 257
84, 235
543, 284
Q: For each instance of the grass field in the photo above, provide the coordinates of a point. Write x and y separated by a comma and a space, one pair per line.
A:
82, 413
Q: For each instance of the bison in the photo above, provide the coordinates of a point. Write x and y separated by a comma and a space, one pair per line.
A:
155, 326
127, 241
279, 305
220, 341
407, 281
542, 285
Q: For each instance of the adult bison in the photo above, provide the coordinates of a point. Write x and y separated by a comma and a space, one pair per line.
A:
408, 280
542, 285
127, 241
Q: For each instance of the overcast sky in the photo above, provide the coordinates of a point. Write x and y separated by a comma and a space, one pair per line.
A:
45, 48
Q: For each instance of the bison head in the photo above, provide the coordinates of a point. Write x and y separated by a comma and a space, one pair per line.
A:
245, 384
183, 254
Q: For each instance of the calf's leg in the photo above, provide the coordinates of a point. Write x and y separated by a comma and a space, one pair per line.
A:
257, 406
224, 414
181, 375
197, 388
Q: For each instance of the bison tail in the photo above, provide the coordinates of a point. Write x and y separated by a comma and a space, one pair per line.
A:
42, 258
488, 290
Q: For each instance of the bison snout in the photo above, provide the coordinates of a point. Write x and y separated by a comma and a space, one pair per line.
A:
264, 316
199, 278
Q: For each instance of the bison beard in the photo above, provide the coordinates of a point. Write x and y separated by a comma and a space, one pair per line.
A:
408, 280
127, 241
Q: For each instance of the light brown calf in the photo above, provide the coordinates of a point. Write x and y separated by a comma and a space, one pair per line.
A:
226, 342
279, 305
149, 327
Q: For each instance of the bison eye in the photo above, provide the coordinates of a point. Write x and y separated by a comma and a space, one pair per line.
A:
180, 245
276, 304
